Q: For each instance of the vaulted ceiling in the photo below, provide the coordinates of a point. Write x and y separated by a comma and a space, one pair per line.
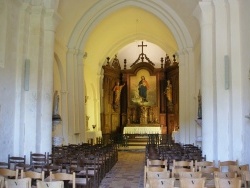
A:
126, 22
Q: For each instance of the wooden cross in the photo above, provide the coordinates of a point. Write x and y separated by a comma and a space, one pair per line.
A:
142, 46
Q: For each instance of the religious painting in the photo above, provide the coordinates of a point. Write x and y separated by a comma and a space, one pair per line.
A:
143, 89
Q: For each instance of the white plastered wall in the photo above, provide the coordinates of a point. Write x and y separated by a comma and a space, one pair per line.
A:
26, 123
222, 127
245, 68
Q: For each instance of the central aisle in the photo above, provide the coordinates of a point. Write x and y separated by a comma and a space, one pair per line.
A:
127, 172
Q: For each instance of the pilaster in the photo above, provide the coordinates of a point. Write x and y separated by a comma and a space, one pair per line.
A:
80, 125
204, 13
31, 100
186, 76
222, 100
71, 61
237, 82
50, 21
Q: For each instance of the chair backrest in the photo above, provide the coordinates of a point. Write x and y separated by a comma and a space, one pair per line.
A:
9, 173
203, 164
62, 162
33, 175
156, 169
183, 164
224, 165
246, 178
38, 160
192, 182
225, 174
53, 184
190, 174
2, 181
162, 183
63, 177
176, 171
13, 161
156, 162
49, 158
208, 172
238, 169
18, 183
158, 175
153, 169
227, 183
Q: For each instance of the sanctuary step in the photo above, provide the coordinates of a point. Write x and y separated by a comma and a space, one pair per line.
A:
137, 141
124, 140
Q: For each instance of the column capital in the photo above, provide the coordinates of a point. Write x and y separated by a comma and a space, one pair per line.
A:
204, 12
51, 19
184, 54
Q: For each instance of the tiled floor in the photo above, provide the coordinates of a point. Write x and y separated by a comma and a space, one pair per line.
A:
127, 172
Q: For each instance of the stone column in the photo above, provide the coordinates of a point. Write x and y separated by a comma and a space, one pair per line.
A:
81, 96
204, 14
50, 23
237, 82
70, 74
186, 89
75, 96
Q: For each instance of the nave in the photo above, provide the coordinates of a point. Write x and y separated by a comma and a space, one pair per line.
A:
124, 167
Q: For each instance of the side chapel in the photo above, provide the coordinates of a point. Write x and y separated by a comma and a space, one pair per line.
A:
141, 96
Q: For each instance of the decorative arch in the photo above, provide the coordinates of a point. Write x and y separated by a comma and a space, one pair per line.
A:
166, 14
89, 20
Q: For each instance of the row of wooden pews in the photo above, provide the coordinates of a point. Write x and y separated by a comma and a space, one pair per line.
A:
84, 164
190, 169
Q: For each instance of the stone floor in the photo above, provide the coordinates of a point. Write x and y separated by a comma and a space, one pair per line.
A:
128, 171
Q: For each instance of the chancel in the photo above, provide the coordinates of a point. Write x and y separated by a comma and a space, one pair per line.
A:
144, 108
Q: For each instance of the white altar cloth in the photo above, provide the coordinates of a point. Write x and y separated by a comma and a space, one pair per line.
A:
142, 130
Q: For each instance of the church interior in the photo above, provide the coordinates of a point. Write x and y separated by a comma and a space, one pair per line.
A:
77, 72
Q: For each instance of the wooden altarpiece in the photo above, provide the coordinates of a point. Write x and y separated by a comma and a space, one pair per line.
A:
172, 77
110, 116
149, 96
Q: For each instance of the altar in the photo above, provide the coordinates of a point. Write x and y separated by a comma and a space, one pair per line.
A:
143, 125
142, 130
